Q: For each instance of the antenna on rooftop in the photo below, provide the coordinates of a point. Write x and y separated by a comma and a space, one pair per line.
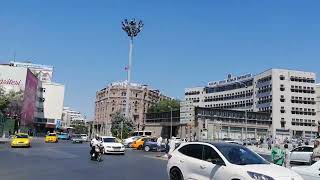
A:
14, 56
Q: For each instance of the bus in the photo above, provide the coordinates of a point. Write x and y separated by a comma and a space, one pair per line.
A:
142, 133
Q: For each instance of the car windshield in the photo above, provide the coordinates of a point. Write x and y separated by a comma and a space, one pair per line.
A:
52, 135
64, 134
77, 136
21, 136
109, 140
240, 155
83, 135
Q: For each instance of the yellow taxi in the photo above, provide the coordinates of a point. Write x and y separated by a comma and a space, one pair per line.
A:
51, 137
138, 144
20, 140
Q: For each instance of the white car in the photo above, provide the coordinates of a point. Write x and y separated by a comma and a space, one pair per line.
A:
130, 140
84, 137
223, 161
301, 155
309, 172
112, 146
177, 140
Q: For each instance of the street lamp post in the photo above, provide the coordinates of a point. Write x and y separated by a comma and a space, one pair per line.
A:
171, 122
132, 28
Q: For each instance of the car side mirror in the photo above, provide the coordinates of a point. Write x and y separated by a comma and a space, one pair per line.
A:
218, 162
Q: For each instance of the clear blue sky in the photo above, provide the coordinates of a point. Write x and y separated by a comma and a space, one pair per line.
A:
184, 43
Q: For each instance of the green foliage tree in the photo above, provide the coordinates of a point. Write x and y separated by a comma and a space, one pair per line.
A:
164, 106
79, 127
127, 129
11, 103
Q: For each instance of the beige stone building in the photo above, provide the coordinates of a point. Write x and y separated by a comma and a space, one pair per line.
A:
112, 99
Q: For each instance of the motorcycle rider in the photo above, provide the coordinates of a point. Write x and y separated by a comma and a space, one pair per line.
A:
94, 142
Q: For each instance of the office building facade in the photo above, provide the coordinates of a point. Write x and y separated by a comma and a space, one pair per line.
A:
69, 116
288, 95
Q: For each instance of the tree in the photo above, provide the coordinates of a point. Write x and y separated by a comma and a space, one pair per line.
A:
79, 127
127, 129
11, 103
164, 106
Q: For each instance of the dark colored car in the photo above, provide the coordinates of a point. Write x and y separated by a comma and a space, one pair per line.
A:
150, 144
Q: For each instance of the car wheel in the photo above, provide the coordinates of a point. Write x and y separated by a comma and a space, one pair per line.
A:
140, 147
175, 174
147, 148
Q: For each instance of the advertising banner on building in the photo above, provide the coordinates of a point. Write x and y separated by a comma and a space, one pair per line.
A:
29, 100
12, 78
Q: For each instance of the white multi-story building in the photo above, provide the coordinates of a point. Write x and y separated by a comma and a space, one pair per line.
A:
50, 97
69, 116
49, 106
287, 94
318, 103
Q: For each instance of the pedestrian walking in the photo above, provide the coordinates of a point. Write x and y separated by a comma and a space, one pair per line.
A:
277, 155
167, 146
172, 145
270, 141
287, 156
159, 142
261, 142
316, 151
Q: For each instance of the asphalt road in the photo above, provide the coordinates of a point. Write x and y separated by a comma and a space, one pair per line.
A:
67, 161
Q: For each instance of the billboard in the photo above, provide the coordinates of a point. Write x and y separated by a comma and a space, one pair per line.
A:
12, 78
29, 100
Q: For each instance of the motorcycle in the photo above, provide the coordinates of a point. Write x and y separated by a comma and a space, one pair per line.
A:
96, 153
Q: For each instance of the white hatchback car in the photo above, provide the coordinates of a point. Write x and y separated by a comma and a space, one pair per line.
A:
223, 161
301, 155
112, 146
309, 172
127, 142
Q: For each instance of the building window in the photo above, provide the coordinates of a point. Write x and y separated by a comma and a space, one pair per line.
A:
282, 77
112, 109
40, 109
41, 99
282, 99
282, 110
283, 124
282, 87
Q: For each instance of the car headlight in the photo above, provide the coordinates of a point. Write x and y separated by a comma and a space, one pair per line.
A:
122, 147
257, 176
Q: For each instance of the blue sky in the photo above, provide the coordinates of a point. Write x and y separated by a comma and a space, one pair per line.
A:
184, 43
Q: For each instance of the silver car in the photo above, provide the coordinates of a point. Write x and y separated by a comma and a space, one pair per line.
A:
301, 155
77, 139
